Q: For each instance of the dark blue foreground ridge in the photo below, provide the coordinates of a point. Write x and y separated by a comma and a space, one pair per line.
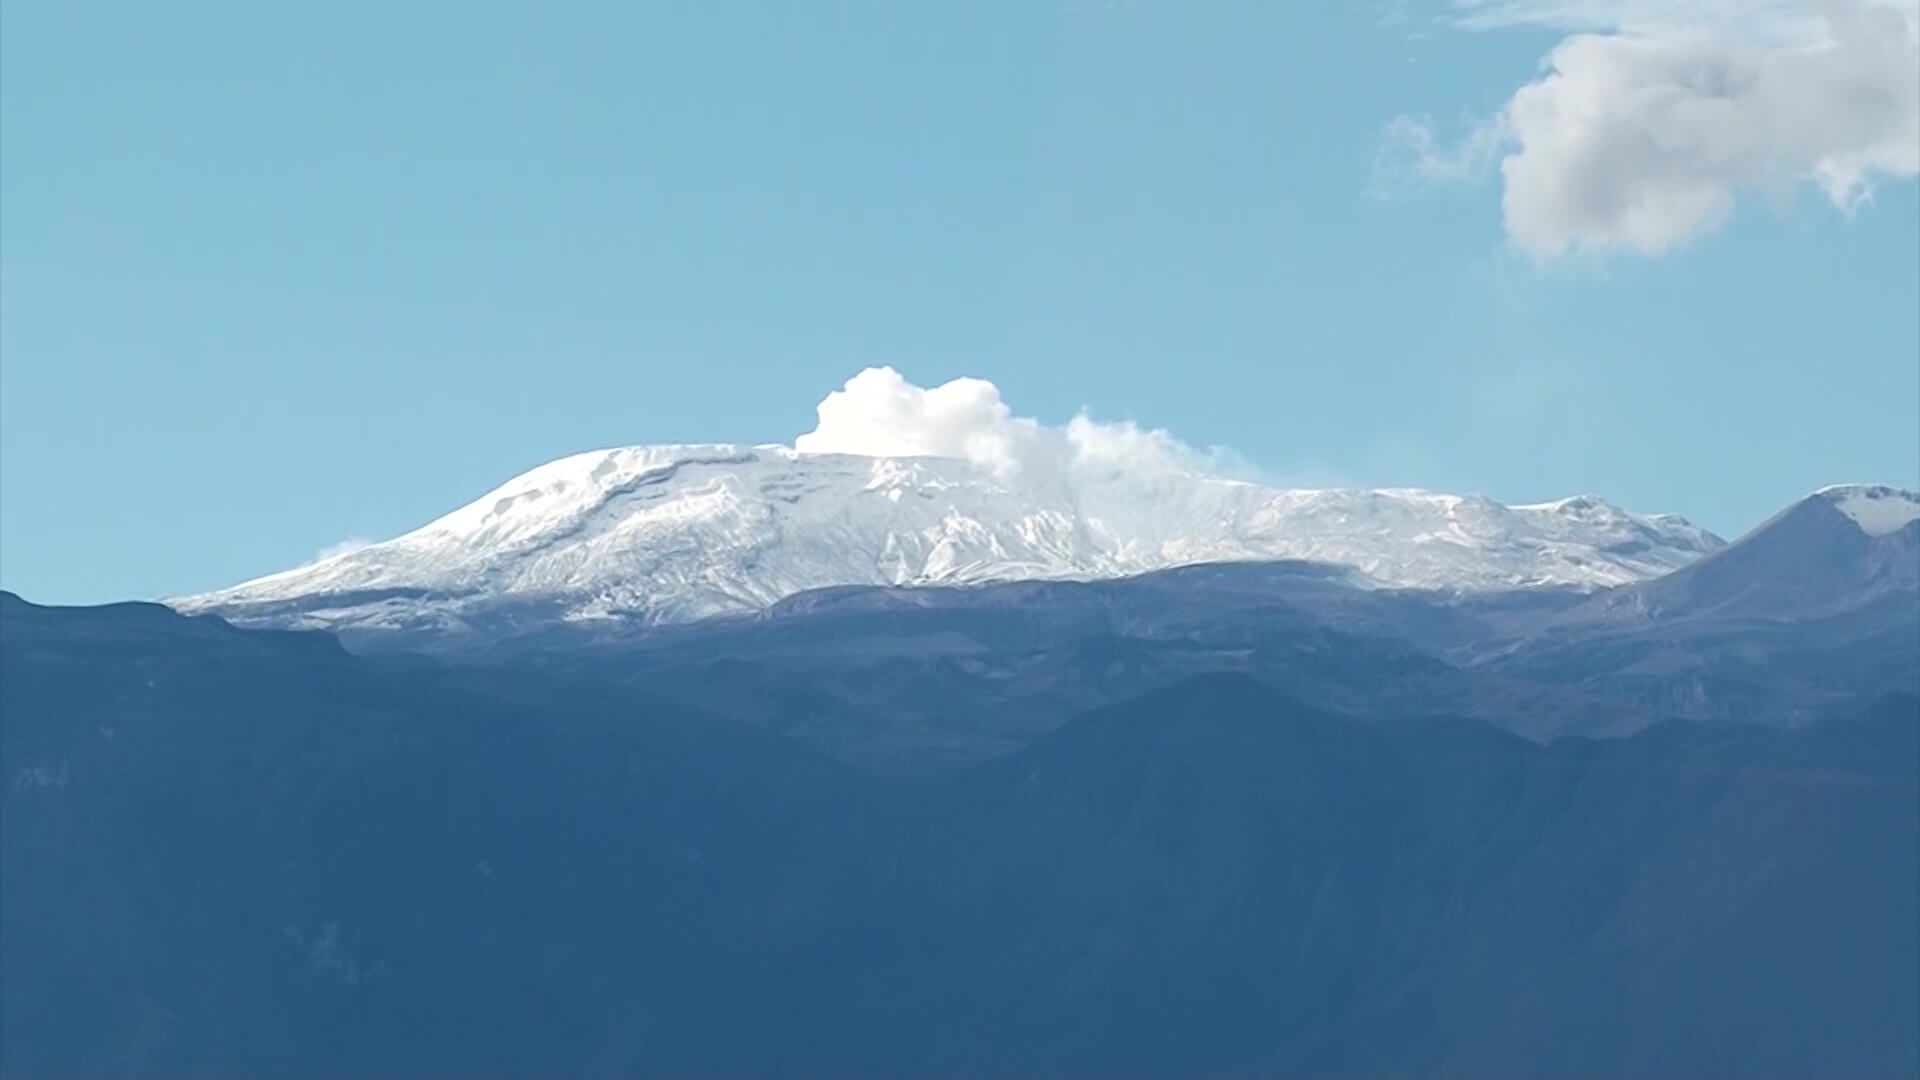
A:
1242, 820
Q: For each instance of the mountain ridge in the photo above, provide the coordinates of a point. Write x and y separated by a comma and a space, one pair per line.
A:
660, 534
229, 853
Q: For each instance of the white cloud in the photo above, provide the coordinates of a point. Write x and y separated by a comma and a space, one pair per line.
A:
1643, 136
878, 413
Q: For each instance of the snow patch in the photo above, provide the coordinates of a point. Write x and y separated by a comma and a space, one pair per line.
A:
1878, 510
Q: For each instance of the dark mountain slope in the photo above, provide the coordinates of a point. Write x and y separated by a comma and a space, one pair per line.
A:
1705, 901
227, 852
240, 853
1809, 613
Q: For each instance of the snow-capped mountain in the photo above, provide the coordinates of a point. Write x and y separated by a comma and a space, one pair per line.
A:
674, 533
1839, 548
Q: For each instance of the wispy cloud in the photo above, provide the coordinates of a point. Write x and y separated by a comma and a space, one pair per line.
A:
345, 547
1779, 21
1415, 155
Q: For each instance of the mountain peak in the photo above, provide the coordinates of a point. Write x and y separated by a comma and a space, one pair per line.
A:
1876, 508
671, 533
1841, 547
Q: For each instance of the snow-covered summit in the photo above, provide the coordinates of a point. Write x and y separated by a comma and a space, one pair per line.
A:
673, 533
1877, 509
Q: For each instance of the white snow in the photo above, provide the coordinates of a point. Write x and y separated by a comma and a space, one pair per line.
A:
672, 533
1877, 510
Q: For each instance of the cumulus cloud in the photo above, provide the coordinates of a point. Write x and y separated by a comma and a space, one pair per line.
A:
878, 413
1643, 136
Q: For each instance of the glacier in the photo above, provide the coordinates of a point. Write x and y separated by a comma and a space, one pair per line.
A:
659, 534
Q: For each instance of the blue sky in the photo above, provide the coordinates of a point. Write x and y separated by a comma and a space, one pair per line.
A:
271, 279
